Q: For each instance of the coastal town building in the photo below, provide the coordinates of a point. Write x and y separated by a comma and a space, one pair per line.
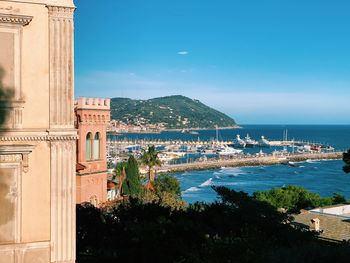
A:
37, 133
331, 222
92, 116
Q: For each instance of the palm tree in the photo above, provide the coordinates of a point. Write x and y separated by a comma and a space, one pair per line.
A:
119, 172
151, 159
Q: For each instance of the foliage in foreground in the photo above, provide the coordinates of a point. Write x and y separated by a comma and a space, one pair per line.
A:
237, 228
293, 198
346, 159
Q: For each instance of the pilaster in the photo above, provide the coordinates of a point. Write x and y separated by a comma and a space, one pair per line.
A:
63, 152
61, 31
63, 201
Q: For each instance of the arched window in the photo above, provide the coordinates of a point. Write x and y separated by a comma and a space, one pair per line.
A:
88, 146
96, 150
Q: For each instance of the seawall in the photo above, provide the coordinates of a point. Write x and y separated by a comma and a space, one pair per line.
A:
250, 161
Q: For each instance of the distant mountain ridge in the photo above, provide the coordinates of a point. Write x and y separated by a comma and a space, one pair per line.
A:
174, 112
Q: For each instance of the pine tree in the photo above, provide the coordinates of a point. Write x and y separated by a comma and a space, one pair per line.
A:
132, 184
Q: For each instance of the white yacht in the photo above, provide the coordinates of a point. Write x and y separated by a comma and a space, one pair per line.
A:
249, 142
263, 142
238, 142
226, 150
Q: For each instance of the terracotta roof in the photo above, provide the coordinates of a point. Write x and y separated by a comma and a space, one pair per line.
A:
149, 186
332, 227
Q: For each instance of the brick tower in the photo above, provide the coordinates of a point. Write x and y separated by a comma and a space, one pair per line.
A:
92, 117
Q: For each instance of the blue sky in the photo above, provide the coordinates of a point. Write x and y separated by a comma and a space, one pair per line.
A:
259, 61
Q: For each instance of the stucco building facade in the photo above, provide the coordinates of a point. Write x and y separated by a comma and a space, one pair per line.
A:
92, 118
37, 133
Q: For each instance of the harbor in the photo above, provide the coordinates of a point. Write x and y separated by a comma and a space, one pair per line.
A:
240, 161
174, 152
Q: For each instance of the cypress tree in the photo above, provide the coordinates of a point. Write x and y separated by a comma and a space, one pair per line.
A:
132, 184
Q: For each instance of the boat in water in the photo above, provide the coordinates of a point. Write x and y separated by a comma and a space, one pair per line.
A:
263, 142
249, 142
238, 142
189, 131
226, 150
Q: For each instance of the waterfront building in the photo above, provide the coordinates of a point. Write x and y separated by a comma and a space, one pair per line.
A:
331, 222
92, 116
37, 134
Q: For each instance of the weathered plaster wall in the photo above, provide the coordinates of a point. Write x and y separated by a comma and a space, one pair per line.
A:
37, 148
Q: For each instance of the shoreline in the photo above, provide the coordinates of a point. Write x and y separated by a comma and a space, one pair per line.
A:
250, 161
173, 130
205, 129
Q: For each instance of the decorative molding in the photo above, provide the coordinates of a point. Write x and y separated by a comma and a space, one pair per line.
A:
16, 149
62, 137
13, 158
39, 138
15, 19
60, 11
15, 153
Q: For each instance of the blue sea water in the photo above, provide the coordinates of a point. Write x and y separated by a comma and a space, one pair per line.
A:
323, 177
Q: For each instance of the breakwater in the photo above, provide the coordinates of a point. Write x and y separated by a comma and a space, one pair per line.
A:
145, 142
271, 159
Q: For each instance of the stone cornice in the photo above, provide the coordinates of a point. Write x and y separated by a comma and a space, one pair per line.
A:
16, 149
15, 19
8, 138
67, 3
17, 152
60, 11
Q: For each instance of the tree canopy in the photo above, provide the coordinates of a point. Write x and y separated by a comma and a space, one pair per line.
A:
151, 159
167, 183
236, 228
293, 198
132, 185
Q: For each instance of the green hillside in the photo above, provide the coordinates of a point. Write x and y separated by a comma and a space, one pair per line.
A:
175, 112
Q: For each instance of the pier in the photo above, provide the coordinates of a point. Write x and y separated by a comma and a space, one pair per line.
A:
194, 143
250, 161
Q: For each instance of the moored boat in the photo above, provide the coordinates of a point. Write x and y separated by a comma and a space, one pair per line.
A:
249, 142
263, 142
226, 150
238, 142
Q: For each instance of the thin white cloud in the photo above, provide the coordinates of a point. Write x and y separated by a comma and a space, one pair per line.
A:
183, 53
240, 100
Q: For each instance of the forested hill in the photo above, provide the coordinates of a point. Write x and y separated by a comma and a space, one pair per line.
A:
174, 112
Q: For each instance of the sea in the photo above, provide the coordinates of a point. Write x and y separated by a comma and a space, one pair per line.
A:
324, 177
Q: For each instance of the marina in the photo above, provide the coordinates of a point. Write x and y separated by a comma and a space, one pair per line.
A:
176, 152
312, 159
240, 161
